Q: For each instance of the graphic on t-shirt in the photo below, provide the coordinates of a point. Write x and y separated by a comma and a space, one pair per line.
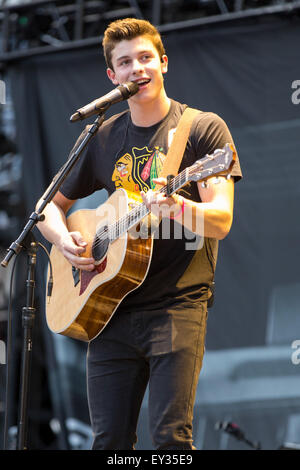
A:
135, 171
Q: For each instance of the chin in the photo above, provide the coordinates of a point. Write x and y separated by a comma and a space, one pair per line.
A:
147, 96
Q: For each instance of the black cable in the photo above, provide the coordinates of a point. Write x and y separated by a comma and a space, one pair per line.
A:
50, 281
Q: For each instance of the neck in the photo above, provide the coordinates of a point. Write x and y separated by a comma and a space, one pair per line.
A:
146, 114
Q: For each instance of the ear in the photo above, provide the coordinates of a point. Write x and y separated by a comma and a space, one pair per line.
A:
164, 64
112, 76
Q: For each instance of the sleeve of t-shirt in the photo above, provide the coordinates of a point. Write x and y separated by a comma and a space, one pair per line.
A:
81, 181
210, 132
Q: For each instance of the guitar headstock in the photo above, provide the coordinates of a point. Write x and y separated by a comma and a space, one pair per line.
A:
219, 162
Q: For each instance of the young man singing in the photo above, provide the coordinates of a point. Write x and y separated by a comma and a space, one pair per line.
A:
156, 337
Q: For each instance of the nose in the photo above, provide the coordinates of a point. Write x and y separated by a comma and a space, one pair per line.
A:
137, 67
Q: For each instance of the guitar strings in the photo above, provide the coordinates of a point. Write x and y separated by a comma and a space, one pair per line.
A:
123, 224
137, 212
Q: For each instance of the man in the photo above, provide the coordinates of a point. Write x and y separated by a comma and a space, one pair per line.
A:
157, 334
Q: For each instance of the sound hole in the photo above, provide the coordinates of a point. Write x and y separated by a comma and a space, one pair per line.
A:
100, 244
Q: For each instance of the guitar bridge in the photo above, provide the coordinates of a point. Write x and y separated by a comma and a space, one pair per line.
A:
76, 275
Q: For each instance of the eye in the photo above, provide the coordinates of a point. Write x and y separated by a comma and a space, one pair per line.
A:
146, 57
124, 62
121, 166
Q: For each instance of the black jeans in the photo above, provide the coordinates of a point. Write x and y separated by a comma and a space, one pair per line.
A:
164, 348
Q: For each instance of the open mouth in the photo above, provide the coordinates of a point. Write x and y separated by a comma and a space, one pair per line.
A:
143, 82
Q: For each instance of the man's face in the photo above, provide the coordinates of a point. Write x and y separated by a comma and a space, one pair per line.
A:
138, 61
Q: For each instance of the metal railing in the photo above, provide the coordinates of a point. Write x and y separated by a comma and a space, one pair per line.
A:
41, 26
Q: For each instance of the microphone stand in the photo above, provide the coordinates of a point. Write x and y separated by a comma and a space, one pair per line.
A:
235, 431
27, 242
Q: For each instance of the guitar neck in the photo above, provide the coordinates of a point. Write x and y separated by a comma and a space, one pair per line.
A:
135, 215
219, 162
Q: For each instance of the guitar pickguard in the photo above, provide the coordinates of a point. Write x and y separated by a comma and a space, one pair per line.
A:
87, 276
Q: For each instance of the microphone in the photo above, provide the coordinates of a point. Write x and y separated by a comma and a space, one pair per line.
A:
231, 428
235, 431
121, 93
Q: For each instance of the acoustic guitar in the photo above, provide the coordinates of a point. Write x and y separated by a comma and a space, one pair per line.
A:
82, 302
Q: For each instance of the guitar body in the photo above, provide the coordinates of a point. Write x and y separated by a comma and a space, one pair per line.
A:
82, 303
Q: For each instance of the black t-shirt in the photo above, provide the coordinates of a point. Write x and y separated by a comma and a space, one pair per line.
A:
123, 155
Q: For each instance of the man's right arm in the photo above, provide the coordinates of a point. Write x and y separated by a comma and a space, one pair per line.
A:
54, 229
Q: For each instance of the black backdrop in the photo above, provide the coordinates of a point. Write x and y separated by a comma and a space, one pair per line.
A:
244, 72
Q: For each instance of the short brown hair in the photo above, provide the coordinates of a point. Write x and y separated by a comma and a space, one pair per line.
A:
126, 29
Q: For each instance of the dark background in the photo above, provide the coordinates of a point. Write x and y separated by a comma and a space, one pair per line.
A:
243, 72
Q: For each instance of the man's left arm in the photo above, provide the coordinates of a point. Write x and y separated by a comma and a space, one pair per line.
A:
212, 217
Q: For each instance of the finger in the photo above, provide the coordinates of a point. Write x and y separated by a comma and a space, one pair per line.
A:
81, 262
73, 249
161, 181
77, 237
147, 197
78, 244
85, 267
77, 259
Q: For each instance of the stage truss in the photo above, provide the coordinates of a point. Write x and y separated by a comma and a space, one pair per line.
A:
41, 26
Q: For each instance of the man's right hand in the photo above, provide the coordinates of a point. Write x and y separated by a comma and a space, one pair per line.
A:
72, 246
54, 229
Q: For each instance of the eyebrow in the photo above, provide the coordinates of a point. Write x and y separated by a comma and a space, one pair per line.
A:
123, 57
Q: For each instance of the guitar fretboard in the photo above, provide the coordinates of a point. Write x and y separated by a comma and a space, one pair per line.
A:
205, 167
136, 214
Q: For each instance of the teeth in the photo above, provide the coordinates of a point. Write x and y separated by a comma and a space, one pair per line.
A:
141, 82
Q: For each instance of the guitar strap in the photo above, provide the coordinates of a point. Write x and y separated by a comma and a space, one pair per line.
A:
176, 150
172, 163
